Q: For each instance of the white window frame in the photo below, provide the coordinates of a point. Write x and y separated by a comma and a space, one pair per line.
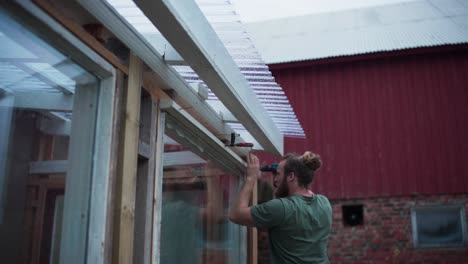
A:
85, 241
414, 225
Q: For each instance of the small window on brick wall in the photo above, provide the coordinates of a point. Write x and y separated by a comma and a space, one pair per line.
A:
353, 215
439, 226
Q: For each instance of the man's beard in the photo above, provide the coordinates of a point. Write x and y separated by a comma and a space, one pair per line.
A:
283, 189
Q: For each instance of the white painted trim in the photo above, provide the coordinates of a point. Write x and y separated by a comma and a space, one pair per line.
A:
183, 24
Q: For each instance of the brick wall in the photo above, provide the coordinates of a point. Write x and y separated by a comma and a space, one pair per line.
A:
386, 234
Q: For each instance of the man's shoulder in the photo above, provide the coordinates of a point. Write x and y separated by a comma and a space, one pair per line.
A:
321, 197
323, 202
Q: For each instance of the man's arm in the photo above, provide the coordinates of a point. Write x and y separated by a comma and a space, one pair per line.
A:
240, 211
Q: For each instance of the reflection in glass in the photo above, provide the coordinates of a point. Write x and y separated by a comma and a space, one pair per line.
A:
196, 197
37, 91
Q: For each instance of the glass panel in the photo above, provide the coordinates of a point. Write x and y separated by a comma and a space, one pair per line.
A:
196, 198
439, 226
37, 91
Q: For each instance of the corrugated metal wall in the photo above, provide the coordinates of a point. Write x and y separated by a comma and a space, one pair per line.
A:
388, 126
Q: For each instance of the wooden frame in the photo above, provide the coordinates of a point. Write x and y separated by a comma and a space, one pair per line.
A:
38, 188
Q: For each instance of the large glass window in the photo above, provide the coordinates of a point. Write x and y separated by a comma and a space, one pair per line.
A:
40, 87
197, 195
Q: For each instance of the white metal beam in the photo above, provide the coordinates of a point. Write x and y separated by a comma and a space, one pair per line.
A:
168, 52
186, 130
183, 24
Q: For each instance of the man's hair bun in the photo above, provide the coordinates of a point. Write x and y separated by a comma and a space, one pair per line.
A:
311, 160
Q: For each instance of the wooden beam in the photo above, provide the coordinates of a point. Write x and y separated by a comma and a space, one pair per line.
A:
150, 191
157, 189
126, 187
145, 186
44, 101
184, 25
115, 166
84, 36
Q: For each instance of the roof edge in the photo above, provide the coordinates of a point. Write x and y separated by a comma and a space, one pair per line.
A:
370, 56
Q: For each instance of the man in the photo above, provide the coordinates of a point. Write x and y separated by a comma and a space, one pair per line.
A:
298, 221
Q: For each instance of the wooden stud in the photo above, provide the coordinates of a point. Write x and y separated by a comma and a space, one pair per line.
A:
145, 182
115, 165
158, 183
126, 186
150, 191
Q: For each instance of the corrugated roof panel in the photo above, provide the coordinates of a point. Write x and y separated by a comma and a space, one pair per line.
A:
414, 24
227, 24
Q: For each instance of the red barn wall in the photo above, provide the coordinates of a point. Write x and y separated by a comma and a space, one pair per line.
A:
384, 126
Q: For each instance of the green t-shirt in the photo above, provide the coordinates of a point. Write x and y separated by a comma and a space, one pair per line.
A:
298, 228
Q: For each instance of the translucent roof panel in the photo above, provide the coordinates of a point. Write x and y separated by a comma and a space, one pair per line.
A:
227, 24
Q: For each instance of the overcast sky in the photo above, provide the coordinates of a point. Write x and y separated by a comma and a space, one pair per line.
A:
258, 10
